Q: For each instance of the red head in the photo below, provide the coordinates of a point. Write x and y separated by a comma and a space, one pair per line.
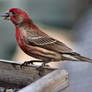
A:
16, 15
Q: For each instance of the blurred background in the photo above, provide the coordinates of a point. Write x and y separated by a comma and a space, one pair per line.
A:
69, 21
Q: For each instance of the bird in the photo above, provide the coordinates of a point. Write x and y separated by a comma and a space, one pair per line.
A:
36, 43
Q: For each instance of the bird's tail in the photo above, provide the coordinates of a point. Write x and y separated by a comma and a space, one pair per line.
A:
76, 57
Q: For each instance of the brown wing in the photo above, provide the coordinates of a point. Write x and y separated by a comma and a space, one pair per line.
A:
47, 42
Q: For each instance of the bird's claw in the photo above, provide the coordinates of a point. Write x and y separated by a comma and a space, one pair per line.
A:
41, 68
26, 63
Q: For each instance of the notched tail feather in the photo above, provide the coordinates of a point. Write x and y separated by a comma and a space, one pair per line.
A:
76, 57
81, 58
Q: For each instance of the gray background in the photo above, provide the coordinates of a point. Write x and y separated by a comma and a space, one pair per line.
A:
75, 15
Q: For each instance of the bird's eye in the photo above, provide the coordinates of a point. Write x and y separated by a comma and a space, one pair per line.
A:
13, 13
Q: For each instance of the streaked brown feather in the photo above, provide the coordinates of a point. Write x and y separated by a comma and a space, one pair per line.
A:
36, 38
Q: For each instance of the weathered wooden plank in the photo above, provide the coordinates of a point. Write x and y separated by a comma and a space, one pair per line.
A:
12, 76
56, 81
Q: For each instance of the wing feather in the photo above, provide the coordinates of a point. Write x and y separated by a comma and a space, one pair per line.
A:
44, 41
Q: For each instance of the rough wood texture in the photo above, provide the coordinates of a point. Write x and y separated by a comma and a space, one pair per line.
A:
12, 76
57, 81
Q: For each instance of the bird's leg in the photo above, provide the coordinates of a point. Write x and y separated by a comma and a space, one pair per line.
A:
30, 62
41, 67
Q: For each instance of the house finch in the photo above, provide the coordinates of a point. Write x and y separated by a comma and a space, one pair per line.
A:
38, 44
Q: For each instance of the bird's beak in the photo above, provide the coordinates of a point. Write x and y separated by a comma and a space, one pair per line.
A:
5, 15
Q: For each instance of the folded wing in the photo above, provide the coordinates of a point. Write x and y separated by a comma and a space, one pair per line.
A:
44, 41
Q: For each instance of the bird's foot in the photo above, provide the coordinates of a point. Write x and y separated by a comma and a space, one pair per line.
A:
41, 69
26, 63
